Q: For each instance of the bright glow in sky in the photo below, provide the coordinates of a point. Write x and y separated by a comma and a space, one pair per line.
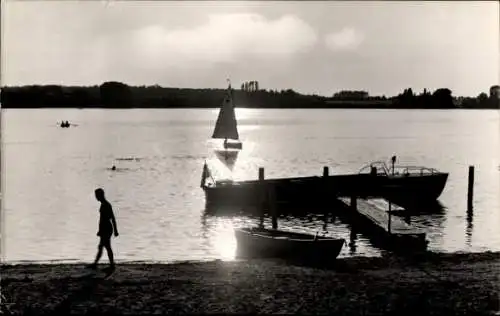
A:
311, 47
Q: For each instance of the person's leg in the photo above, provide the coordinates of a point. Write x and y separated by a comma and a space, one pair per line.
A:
99, 253
107, 245
97, 257
110, 255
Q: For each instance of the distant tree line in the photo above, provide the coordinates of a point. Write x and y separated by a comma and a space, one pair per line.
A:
114, 94
443, 99
351, 95
439, 99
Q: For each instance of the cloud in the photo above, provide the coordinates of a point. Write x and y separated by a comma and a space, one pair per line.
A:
436, 44
345, 39
225, 38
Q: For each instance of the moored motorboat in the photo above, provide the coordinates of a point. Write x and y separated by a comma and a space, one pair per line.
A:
274, 243
405, 183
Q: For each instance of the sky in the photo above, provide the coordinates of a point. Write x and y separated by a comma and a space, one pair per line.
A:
311, 47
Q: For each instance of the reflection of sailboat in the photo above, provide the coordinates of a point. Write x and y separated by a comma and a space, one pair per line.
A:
226, 127
228, 157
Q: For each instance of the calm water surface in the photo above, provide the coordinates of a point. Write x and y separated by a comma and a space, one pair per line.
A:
49, 175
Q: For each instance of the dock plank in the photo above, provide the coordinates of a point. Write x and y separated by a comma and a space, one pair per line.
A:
380, 217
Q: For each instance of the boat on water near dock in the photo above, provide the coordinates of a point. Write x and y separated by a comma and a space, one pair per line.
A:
407, 184
274, 243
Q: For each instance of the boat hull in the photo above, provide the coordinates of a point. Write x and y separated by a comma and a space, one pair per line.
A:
260, 242
233, 145
424, 188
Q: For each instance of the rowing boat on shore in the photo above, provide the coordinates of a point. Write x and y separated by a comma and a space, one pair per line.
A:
262, 242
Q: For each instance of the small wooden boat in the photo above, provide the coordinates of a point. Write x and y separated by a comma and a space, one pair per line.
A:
262, 242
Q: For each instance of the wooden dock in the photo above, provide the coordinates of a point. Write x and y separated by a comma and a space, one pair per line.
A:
221, 189
391, 229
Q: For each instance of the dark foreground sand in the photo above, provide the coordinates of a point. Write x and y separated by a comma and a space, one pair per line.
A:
435, 284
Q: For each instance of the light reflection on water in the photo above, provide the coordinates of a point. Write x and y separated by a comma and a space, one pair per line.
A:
224, 240
49, 174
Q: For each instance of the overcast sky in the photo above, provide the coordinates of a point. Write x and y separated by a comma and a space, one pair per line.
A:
311, 47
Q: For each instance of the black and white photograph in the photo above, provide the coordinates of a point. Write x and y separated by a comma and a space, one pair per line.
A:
250, 157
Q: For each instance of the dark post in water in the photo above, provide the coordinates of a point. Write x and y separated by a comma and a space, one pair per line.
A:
393, 160
262, 196
272, 206
324, 193
354, 202
470, 190
390, 218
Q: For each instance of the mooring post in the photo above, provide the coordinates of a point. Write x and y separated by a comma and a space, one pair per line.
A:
470, 189
272, 206
352, 237
390, 217
393, 160
324, 193
354, 200
261, 173
262, 196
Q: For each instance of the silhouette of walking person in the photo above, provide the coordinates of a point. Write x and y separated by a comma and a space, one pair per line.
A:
107, 226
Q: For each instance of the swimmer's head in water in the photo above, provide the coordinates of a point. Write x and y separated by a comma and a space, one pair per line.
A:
113, 168
99, 194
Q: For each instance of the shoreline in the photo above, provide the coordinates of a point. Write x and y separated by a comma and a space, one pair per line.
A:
238, 107
432, 283
474, 255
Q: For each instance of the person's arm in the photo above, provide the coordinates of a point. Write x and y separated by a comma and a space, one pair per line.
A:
113, 220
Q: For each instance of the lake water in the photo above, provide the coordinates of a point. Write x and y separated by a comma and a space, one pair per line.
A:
49, 175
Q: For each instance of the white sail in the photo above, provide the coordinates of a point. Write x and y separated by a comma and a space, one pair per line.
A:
225, 126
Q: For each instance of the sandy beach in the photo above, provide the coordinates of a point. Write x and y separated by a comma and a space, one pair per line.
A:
434, 284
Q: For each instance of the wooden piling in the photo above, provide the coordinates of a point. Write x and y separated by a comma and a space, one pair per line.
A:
354, 200
262, 196
261, 173
324, 194
390, 218
272, 206
470, 189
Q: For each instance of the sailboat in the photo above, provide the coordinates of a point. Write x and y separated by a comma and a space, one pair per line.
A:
226, 127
